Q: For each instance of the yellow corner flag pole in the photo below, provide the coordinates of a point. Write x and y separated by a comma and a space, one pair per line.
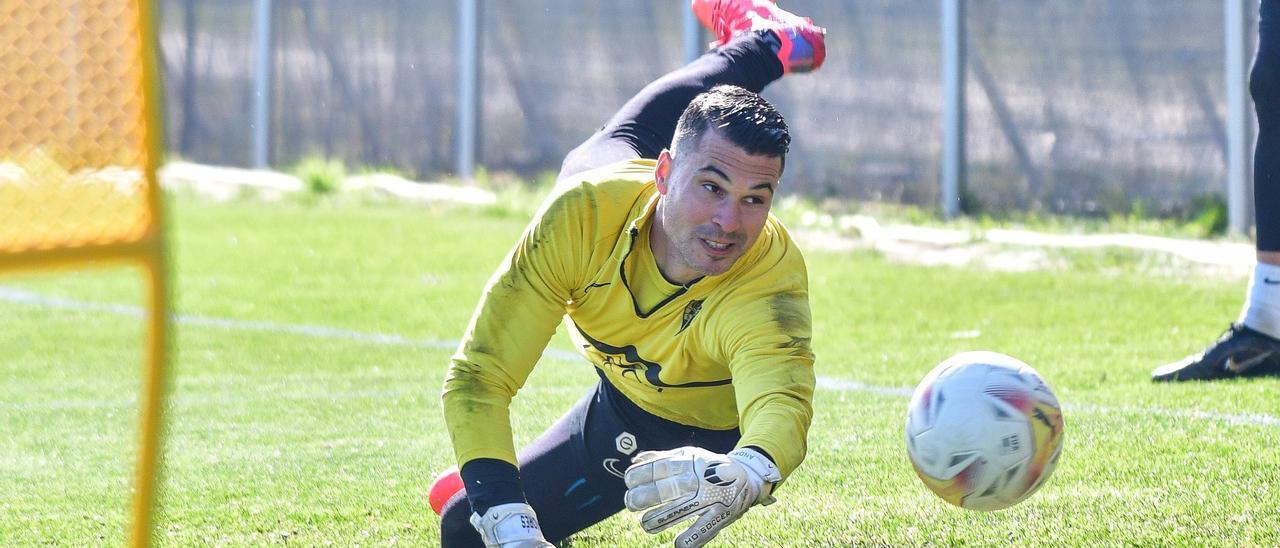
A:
156, 375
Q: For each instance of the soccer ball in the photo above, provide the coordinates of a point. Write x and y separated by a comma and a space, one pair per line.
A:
983, 430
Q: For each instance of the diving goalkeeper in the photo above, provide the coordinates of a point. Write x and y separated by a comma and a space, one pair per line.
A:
657, 252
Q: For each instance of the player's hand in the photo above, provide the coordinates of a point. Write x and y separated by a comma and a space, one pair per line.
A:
511, 525
691, 481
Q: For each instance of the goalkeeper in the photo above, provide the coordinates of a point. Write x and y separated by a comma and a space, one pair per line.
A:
658, 253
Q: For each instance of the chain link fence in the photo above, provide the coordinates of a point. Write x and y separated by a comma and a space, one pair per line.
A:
1085, 107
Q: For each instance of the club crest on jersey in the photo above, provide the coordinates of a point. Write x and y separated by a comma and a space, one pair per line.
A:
690, 312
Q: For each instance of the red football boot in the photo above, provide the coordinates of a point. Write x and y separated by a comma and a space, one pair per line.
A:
802, 46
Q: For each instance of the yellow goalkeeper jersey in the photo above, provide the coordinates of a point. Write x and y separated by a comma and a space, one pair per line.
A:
723, 352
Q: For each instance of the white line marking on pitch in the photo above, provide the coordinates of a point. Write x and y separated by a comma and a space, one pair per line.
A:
18, 296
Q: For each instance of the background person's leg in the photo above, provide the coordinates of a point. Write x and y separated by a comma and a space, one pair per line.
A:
1264, 85
1251, 346
1262, 308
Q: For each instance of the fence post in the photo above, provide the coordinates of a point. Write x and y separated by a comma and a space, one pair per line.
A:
1239, 134
468, 115
261, 114
953, 106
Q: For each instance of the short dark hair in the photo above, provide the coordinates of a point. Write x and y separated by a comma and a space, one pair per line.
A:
743, 117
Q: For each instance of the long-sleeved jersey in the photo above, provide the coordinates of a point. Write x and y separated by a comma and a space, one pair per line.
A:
723, 352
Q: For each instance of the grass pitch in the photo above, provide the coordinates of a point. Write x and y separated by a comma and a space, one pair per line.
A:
312, 339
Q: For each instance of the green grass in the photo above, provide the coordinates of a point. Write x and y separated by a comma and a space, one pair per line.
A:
278, 437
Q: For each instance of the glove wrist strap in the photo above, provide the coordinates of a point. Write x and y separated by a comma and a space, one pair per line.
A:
763, 470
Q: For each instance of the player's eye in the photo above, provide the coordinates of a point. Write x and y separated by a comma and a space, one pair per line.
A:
711, 187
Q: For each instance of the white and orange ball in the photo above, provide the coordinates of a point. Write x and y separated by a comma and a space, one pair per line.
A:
984, 431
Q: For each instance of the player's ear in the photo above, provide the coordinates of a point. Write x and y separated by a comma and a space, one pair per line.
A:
662, 173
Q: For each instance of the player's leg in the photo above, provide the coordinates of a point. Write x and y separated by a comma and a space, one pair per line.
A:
1251, 346
564, 479
572, 474
550, 469
758, 52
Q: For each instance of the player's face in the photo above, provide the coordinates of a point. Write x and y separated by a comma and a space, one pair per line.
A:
715, 201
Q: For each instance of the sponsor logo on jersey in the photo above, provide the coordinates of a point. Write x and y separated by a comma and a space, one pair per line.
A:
625, 443
627, 360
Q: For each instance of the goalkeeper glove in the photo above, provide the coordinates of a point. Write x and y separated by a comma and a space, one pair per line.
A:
512, 525
691, 481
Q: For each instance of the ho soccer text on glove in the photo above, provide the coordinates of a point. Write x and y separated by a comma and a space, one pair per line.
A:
511, 525
691, 481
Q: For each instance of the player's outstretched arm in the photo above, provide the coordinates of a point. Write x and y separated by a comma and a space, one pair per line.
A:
518, 312
694, 482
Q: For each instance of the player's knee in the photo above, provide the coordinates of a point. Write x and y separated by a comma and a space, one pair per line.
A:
455, 525
1264, 81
